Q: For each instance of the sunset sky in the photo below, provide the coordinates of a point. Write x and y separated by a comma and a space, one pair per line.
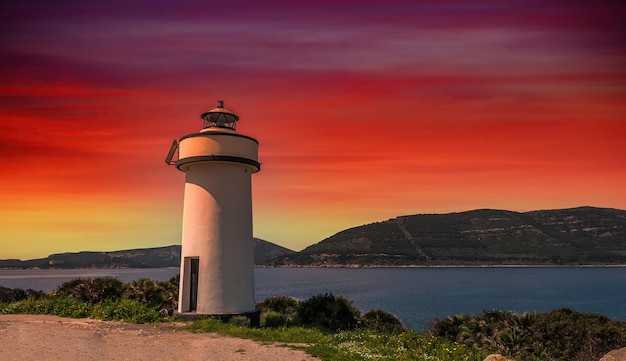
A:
364, 111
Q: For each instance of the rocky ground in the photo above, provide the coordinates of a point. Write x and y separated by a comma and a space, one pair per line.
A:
39, 337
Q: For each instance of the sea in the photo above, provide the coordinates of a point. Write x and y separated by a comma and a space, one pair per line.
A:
416, 295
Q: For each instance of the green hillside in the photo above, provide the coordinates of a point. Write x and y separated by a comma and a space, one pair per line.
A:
584, 235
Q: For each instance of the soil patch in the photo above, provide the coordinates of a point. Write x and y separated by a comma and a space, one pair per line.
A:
41, 337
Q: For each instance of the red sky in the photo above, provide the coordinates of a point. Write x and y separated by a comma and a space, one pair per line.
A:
364, 110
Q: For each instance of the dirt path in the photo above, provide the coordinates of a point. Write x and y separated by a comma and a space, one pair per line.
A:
38, 337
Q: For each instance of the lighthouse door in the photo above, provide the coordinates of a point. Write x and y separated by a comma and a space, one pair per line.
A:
193, 287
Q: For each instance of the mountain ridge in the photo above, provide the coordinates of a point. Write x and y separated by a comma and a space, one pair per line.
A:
573, 236
156, 257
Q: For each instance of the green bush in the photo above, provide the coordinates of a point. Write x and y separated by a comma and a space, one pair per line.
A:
573, 336
274, 319
280, 304
140, 301
159, 295
162, 296
278, 311
69, 307
383, 322
58, 306
556, 335
172, 285
239, 321
16, 294
21, 306
326, 311
329, 312
92, 290
125, 310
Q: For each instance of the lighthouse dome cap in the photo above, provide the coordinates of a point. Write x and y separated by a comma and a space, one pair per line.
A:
220, 117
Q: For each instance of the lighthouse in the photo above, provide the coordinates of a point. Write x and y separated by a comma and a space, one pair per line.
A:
217, 256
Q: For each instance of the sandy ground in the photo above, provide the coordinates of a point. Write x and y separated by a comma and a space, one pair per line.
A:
38, 337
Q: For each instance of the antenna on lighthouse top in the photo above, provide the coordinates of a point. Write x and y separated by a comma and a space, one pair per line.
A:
220, 117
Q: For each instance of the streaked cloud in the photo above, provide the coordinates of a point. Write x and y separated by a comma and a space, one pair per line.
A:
364, 111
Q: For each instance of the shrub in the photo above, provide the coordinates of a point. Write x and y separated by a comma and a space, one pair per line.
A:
140, 301
153, 294
172, 284
577, 336
92, 290
330, 312
239, 321
16, 294
170, 287
21, 306
383, 322
125, 310
59, 306
68, 307
284, 305
273, 319
278, 311
556, 335
162, 296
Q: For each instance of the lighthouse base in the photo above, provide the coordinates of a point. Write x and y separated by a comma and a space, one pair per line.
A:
253, 317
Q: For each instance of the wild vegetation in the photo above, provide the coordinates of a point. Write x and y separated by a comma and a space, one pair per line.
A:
556, 335
331, 328
140, 301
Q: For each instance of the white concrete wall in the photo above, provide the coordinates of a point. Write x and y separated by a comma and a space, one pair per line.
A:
217, 226
217, 229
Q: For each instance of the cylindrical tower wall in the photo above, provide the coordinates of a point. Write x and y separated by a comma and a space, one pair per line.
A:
217, 233
218, 144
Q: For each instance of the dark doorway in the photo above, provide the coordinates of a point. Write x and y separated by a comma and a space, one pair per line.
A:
193, 287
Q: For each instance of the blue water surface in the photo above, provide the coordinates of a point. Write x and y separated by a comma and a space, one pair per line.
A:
416, 295
419, 295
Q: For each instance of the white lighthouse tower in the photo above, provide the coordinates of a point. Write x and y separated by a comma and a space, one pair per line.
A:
217, 263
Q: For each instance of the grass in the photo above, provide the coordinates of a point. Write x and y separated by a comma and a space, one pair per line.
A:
291, 334
409, 345
108, 310
352, 345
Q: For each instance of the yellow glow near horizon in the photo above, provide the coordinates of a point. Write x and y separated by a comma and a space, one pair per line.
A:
45, 228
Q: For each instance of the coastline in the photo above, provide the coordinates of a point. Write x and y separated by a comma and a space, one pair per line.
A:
449, 266
513, 265
416, 295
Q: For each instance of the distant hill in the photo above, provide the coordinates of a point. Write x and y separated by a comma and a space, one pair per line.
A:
135, 258
576, 236
264, 250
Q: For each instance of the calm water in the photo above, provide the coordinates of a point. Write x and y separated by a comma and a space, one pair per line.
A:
416, 295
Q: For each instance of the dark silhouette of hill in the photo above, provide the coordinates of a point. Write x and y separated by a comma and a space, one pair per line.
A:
575, 236
135, 258
264, 250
